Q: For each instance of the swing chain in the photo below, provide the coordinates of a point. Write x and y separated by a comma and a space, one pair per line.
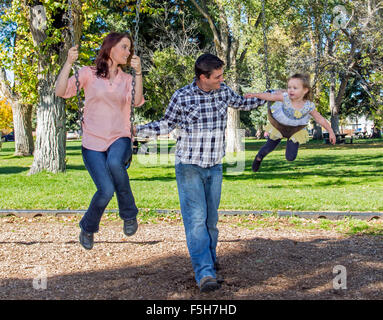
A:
132, 117
321, 36
75, 66
265, 46
266, 53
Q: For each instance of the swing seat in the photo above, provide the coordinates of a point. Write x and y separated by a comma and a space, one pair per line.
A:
286, 131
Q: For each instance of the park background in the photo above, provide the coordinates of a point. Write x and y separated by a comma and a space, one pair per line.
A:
338, 43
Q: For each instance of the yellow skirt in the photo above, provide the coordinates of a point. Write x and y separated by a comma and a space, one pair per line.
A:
302, 136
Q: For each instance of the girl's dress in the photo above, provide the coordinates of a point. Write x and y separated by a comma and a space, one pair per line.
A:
286, 114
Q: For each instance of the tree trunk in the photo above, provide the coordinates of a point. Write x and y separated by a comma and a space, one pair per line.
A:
22, 118
317, 131
227, 47
333, 106
50, 134
22, 124
233, 133
50, 130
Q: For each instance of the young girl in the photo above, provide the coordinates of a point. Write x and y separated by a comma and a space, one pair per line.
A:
291, 113
106, 142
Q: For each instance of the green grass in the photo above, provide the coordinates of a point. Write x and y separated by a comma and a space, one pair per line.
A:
322, 178
347, 225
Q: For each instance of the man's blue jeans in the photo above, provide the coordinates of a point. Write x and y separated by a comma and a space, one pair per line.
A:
199, 191
108, 172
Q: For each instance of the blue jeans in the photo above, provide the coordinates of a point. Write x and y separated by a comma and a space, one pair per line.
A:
108, 172
199, 191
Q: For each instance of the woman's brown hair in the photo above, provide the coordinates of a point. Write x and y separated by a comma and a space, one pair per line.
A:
102, 69
305, 78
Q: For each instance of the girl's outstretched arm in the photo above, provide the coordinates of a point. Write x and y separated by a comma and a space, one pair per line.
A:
268, 96
325, 124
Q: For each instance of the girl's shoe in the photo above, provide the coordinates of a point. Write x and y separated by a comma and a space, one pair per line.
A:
256, 164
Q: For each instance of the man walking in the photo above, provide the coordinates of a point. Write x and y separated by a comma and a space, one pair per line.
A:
199, 111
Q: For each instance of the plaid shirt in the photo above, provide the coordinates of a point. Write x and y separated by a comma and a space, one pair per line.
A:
200, 118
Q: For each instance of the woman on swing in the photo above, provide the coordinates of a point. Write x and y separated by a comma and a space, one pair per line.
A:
106, 141
291, 113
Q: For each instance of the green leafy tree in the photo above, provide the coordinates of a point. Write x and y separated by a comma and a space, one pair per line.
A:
21, 94
352, 39
6, 121
228, 23
168, 73
42, 40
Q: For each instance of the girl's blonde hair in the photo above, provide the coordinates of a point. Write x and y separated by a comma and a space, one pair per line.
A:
305, 78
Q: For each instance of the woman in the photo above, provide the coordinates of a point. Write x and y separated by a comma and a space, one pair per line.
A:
106, 142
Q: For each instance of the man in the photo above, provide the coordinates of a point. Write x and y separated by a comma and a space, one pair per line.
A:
199, 111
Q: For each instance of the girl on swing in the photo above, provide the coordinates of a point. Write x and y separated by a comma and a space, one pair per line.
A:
106, 141
291, 114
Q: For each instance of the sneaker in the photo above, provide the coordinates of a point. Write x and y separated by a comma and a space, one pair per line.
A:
86, 239
130, 227
208, 284
256, 164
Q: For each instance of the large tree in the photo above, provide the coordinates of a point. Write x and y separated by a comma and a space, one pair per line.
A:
43, 39
334, 43
353, 37
21, 94
44, 20
225, 19
22, 117
169, 45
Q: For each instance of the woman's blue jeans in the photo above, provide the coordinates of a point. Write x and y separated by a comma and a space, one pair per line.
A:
199, 191
109, 174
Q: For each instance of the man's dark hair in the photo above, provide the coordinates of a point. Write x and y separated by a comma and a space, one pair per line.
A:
206, 63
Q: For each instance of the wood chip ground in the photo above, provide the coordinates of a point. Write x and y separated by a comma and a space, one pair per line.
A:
263, 263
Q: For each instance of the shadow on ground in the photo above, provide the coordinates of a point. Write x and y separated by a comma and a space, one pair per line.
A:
257, 268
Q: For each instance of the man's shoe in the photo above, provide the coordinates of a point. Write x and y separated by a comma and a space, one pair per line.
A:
208, 284
256, 164
217, 266
86, 239
130, 227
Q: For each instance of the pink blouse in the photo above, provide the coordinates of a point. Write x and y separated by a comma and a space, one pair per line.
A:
106, 108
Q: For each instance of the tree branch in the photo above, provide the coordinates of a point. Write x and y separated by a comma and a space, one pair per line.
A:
38, 24
216, 35
5, 89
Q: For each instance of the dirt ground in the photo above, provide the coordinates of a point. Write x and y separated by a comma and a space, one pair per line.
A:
264, 263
